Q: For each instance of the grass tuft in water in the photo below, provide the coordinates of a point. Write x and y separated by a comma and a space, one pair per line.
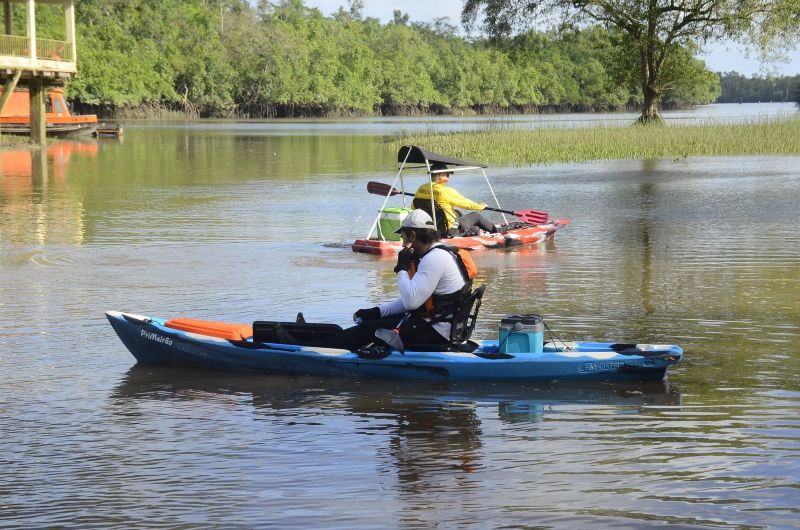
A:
501, 146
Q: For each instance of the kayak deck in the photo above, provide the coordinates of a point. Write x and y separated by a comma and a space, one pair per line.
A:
151, 341
526, 235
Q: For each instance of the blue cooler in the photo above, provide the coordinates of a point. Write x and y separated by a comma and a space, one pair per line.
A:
521, 334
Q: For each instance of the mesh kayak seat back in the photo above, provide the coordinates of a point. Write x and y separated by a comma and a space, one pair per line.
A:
461, 328
441, 220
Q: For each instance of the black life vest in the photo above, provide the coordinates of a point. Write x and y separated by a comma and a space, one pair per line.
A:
443, 307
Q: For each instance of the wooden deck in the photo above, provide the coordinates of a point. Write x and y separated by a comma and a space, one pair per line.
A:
36, 62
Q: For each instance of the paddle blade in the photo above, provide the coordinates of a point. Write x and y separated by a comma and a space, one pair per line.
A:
378, 188
534, 217
392, 338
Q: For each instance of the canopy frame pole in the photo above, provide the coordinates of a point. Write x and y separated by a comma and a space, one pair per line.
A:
493, 195
400, 176
430, 192
386, 199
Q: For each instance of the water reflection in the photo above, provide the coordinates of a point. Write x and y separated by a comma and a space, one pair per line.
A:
387, 125
647, 196
34, 162
441, 412
35, 203
426, 438
143, 381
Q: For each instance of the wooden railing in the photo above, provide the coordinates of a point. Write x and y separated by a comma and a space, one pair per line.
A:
54, 50
15, 45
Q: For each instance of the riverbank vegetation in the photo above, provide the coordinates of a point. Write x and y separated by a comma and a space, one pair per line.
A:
542, 146
736, 88
654, 34
234, 58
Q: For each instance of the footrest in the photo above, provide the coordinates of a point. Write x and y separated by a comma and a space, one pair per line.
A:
299, 333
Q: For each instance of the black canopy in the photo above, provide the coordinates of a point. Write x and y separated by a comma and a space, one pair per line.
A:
419, 155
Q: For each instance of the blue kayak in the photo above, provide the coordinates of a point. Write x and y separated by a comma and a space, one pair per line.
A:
186, 342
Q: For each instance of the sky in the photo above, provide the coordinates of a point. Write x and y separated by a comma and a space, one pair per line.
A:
718, 57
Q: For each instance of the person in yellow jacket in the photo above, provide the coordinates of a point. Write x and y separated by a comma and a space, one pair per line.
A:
448, 199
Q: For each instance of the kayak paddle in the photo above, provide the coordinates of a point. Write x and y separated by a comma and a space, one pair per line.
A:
534, 217
392, 336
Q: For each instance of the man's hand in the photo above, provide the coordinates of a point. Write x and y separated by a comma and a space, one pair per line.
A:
403, 260
373, 313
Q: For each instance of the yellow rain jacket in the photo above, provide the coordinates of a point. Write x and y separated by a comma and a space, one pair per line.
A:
447, 198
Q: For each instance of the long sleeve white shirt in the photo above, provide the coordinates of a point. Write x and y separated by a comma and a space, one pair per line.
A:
438, 273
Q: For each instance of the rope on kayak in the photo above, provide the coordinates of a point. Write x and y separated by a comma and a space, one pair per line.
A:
500, 346
554, 338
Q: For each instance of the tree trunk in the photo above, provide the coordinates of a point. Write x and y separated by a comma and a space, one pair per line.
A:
650, 114
651, 75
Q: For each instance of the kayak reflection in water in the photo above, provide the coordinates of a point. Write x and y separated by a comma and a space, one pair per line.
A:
430, 441
447, 199
434, 280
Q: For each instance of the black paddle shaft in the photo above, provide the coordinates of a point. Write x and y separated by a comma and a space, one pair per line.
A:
529, 216
395, 191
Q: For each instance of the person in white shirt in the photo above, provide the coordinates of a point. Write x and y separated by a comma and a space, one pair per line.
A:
433, 282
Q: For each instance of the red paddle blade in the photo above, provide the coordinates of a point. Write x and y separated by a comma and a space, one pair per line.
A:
378, 188
534, 217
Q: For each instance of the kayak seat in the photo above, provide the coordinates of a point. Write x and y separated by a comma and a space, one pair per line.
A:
461, 328
297, 333
441, 220
209, 328
465, 318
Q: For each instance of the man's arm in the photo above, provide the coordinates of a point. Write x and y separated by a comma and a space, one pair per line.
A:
457, 200
414, 291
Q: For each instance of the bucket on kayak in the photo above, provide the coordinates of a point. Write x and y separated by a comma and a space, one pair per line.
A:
390, 220
521, 333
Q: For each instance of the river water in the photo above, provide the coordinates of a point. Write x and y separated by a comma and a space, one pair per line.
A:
253, 221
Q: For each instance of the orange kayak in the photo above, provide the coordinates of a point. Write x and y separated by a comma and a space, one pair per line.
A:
517, 234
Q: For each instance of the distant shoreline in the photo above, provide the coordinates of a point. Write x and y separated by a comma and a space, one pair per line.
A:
164, 113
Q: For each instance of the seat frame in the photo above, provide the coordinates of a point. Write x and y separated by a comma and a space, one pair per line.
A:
464, 320
461, 328
441, 220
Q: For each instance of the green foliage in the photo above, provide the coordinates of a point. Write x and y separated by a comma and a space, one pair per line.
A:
687, 80
151, 51
737, 88
115, 67
655, 34
263, 59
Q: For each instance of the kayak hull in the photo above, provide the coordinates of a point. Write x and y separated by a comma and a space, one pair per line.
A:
151, 342
530, 235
